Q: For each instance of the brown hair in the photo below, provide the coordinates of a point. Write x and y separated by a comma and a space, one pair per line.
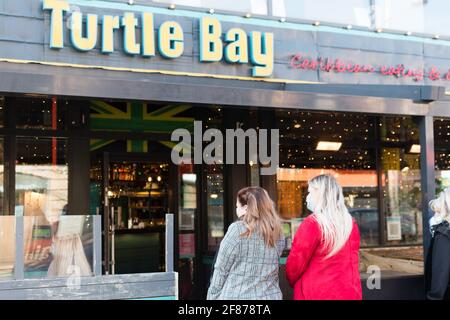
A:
261, 214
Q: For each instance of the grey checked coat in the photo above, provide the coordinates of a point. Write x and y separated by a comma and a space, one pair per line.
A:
246, 268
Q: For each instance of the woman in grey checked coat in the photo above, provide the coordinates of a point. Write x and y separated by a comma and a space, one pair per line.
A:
247, 263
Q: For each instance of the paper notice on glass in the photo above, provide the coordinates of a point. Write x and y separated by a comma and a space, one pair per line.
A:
70, 226
394, 228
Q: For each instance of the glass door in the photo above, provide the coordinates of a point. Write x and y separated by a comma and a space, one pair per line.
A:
135, 199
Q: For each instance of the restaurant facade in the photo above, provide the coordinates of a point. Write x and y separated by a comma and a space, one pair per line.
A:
91, 91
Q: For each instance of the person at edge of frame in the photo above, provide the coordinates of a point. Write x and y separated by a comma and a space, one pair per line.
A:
437, 264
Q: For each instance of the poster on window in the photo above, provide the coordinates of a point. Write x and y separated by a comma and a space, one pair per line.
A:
394, 228
187, 245
187, 219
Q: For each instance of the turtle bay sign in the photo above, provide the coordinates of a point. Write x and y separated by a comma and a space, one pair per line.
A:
234, 46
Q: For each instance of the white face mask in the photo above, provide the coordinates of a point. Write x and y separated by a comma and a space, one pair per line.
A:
309, 203
311, 199
240, 211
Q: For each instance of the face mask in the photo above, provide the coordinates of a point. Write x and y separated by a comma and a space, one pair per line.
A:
309, 203
240, 211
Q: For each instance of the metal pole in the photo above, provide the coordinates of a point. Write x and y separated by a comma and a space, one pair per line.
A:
97, 245
113, 249
428, 175
19, 264
169, 241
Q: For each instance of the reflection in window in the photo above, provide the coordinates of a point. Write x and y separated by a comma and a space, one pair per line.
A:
244, 6
58, 248
41, 177
402, 196
401, 180
442, 153
8, 246
2, 109
187, 211
215, 205
353, 12
2, 212
39, 113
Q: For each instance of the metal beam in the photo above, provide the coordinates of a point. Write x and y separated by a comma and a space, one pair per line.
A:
138, 88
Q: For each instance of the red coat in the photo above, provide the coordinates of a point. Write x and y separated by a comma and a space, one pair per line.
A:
312, 277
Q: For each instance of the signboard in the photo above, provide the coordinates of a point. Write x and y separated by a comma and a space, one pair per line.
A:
141, 38
234, 46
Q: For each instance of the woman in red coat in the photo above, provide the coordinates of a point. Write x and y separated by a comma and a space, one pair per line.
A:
323, 262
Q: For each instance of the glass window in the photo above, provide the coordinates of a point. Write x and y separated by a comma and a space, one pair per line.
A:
215, 205
41, 177
8, 246
2, 109
442, 153
353, 12
328, 143
40, 113
214, 182
402, 196
401, 180
2, 168
58, 247
419, 16
245, 6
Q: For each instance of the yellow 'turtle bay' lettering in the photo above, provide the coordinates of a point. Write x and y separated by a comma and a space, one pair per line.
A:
56, 26
148, 36
211, 48
170, 40
76, 33
129, 22
262, 53
235, 47
110, 23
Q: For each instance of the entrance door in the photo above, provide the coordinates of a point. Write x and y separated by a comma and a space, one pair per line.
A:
136, 195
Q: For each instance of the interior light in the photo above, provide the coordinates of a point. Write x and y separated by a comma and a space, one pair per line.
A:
328, 146
415, 148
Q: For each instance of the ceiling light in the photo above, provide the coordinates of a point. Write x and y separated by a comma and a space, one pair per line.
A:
172, 7
316, 23
328, 146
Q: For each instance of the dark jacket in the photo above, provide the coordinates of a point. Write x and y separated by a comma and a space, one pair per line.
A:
437, 266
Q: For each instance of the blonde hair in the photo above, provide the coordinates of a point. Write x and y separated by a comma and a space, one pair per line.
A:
441, 205
261, 215
331, 213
